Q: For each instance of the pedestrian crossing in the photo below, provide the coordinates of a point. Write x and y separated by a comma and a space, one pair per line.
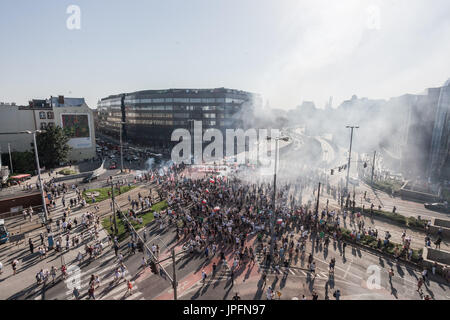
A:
294, 271
108, 288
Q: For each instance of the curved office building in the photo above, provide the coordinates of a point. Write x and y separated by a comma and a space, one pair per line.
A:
151, 116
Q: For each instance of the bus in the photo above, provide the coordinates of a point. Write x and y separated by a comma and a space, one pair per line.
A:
4, 234
19, 178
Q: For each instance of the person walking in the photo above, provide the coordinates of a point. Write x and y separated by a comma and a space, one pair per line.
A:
236, 297
204, 276
30, 242
76, 293
91, 292
53, 273
337, 294
419, 286
129, 288
14, 264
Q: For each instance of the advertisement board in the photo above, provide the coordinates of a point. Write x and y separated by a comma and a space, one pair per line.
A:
77, 126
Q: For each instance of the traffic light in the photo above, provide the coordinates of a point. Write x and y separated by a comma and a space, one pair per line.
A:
153, 267
365, 165
340, 168
332, 171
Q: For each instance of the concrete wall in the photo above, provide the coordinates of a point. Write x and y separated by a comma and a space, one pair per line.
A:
442, 223
13, 120
24, 201
431, 255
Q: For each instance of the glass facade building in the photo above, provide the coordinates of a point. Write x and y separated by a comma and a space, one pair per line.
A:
152, 115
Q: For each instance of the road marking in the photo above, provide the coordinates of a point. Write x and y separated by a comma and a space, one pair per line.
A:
346, 272
292, 272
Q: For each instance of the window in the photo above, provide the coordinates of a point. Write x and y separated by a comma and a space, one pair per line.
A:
195, 100
169, 108
180, 100
42, 115
43, 125
50, 115
169, 100
50, 125
220, 99
158, 100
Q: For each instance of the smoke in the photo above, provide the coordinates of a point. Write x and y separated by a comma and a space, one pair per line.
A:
149, 164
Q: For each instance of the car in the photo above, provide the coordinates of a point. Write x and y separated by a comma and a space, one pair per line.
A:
113, 166
438, 206
136, 158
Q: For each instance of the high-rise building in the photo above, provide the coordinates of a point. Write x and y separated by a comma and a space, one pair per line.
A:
151, 116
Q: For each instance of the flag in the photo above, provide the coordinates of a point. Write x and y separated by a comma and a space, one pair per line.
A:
211, 180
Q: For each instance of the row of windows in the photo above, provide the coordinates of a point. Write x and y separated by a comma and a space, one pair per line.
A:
48, 115
170, 122
175, 108
45, 125
150, 115
159, 100
117, 101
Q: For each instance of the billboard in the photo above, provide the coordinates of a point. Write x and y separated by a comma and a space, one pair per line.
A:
77, 126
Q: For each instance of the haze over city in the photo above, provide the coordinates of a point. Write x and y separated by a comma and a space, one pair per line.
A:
288, 51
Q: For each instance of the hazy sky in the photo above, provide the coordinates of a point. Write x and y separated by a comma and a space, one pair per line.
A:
287, 50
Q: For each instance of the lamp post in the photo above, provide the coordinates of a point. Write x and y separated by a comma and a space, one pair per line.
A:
349, 155
39, 171
272, 224
10, 158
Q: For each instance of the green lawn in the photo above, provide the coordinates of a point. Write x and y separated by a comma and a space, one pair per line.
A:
372, 242
388, 186
104, 193
146, 219
67, 172
411, 222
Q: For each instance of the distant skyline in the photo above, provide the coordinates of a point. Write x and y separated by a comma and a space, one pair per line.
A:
288, 51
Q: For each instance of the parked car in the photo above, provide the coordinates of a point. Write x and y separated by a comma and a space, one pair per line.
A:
438, 206
113, 166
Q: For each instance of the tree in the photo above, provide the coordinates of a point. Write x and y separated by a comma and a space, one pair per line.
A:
52, 147
24, 162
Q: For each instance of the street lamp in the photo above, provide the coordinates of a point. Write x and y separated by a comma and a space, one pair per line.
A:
10, 158
349, 155
37, 163
272, 225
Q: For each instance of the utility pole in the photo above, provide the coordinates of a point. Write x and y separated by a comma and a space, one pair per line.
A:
121, 148
349, 155
274, 199
373, 166
113, 207
39, 176
10, 158
318, 197
174, 281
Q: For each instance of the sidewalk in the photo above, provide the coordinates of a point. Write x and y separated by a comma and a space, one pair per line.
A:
24, 282
417, 237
